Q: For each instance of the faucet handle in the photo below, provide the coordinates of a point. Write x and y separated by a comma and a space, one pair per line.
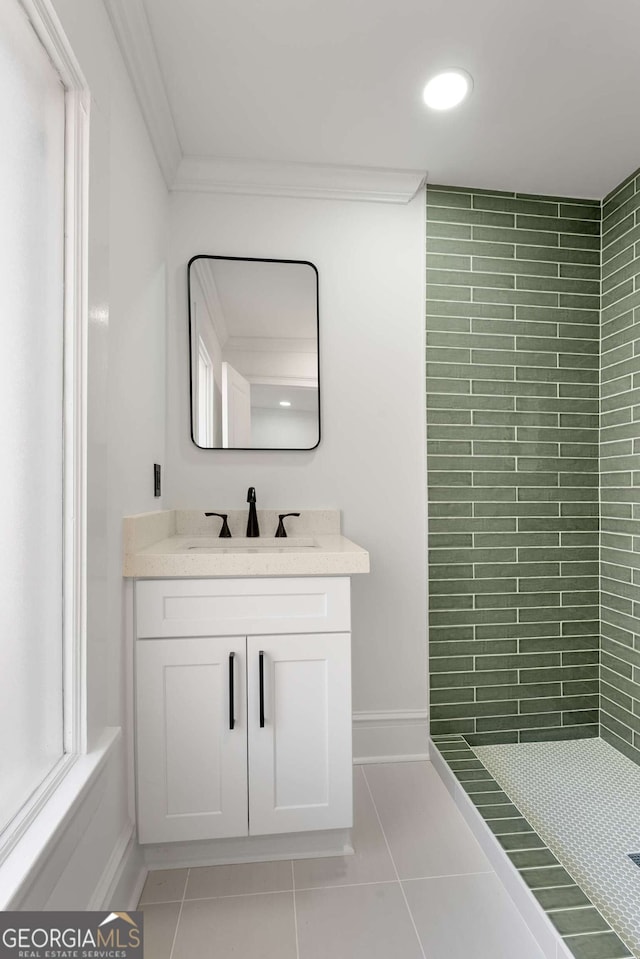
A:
225, 532
281, 531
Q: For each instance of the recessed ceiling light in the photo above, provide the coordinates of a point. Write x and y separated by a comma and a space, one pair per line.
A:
285, 403
447, 89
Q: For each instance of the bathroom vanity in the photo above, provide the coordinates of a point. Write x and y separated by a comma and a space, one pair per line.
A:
242, 666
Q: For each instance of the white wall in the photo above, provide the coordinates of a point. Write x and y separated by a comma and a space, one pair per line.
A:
126, 403
136, 382
371, 461
283, 429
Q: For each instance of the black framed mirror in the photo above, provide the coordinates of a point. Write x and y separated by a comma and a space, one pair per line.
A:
254, 353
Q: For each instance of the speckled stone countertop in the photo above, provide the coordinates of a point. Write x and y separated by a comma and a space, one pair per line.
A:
185, 543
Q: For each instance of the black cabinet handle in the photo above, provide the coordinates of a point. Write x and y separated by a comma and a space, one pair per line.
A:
261, 672
232, 717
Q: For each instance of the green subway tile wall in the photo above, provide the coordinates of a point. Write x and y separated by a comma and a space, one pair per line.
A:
513, 299
620, 466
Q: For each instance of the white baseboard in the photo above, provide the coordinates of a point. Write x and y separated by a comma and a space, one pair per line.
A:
123, 877
392, 736
223, 852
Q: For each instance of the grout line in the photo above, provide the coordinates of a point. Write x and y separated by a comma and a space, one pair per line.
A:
393, 863
175, 934
574, 909
295, 910
349, 885
159, 902
341, 885
240, 895
386, 882
450, 875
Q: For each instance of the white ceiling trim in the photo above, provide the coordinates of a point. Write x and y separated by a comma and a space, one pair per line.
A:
271, 344
131, 27
299, 382
306, 180
213, 175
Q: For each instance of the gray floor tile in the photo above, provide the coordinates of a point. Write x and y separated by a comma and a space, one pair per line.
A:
426, 833
246, 927
164, 885
468, 916
209, 882
355, 922
371, 861
159, 926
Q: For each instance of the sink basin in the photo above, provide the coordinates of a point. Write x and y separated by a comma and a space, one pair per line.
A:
260, 544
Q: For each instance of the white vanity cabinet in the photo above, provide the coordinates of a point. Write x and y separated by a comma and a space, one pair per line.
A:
300, 742
191, 766
243, 707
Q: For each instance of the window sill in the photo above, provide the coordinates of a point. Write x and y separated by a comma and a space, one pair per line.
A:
29, 853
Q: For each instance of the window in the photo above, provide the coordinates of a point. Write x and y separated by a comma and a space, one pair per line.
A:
43, 121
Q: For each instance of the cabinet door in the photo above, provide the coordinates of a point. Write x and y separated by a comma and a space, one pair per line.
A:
300, 775
191, 766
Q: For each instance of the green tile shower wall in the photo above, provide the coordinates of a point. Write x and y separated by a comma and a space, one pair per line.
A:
620, 468
513, 298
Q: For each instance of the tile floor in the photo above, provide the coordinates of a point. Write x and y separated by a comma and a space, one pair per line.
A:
583, 798
418, 887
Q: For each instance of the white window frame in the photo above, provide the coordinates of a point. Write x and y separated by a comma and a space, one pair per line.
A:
47, 27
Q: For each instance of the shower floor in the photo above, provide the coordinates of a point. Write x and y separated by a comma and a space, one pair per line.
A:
583, 799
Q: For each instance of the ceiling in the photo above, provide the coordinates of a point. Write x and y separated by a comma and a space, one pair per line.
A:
268, 397
338, 82
263, 298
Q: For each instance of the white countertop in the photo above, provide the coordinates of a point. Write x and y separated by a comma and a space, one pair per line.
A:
191, 554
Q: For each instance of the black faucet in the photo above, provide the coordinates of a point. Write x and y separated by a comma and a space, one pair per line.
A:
252, 523
281, 531
225, 532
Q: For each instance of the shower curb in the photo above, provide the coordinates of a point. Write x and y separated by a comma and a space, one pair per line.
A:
601, 944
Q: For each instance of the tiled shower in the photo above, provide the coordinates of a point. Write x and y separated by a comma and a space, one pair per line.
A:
518, 325
513, 286
620, 471
533, 420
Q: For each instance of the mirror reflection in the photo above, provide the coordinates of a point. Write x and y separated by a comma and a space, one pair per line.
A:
254, 353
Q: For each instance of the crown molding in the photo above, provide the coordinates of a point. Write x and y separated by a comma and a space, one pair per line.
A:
194, 174
133, 33
272, 344
300, 382
305, 180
